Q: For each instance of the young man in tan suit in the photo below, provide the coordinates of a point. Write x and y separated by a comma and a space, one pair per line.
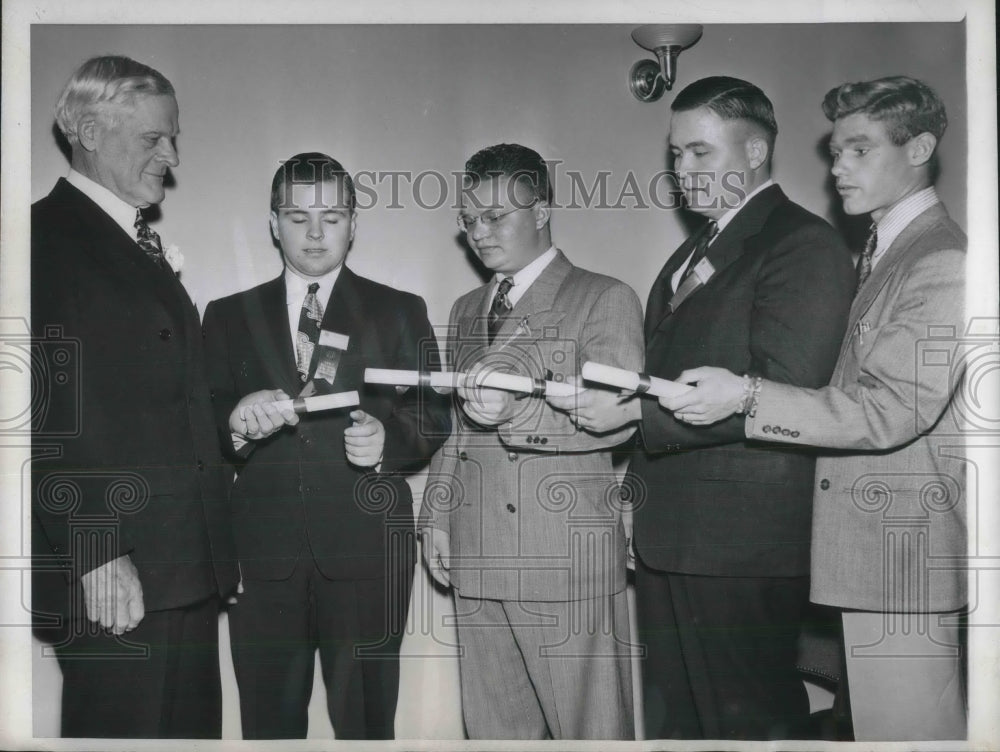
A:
889, 529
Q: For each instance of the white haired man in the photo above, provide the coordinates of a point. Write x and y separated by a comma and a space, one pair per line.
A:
130, 524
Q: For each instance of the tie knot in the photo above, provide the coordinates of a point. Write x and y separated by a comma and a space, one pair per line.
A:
505, 284
313, 287
712, 229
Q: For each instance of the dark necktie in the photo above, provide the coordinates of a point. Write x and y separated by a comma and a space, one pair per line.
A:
710, 230
865, 261
149, 241
308, 335
500, 307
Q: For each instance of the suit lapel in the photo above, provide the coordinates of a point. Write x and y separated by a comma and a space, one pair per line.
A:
730, 244
118, 253
661, 292
885, 268
533, 312
267, 320
893, 255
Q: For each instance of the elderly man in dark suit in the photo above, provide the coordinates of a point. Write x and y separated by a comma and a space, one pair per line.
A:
323, 517
130, 500
889, 528
762, 287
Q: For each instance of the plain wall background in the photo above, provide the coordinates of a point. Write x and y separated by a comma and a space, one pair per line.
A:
424, 98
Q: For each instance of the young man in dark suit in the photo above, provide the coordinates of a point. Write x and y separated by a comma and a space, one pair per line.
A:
890, 502
322, 515
722, 534
129, 487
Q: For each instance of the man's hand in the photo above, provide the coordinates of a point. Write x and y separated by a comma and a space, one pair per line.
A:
719, 393
435, 546
487, 407
255, 416
597, 410
364, 441
113, 595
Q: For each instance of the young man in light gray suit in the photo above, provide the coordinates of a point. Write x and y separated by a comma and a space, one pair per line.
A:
522, 510
889, 528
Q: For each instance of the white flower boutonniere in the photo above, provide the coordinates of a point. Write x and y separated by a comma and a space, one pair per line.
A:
173, 256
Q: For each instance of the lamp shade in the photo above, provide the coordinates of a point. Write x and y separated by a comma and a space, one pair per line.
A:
653, 36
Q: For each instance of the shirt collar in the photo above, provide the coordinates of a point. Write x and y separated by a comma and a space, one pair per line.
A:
120, 211
524, 278
296, 286
900, 215
728, 217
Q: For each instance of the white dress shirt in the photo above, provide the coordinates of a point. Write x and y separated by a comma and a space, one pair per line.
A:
523, 279
899, 216
120, 211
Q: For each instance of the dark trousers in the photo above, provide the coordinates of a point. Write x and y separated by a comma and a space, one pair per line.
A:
276, 627
721, 654
159, 681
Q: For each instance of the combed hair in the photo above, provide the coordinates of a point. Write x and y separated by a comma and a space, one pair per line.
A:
731, 99
103, 81
309, 168
908, 107
511, 161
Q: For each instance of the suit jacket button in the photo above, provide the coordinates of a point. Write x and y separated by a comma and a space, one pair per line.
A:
511, 508
795, 434
766, 429
824, 484
544, 440
530, 439
463, 456
165, 334
785, 432
512, 456
201, 465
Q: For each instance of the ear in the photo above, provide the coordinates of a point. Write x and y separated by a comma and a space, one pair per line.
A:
86, 133
756, 150
274, 226
354, 226
921, 148
543, 212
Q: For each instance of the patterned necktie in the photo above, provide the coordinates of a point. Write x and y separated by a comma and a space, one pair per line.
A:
865, 261
308, 334
500, 307
710, 230
149, 241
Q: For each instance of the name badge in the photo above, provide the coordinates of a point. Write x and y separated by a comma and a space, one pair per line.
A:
704, 270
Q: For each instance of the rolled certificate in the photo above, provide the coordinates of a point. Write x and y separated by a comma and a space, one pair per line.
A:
640, 383
316, 404
509, 382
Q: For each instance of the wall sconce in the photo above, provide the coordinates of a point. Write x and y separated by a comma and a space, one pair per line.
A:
647, 79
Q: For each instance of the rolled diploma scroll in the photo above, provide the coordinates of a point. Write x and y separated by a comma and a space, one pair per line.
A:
450, 379
632, 381
314, 404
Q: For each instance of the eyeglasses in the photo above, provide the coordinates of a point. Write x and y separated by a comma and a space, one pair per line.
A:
488, 218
